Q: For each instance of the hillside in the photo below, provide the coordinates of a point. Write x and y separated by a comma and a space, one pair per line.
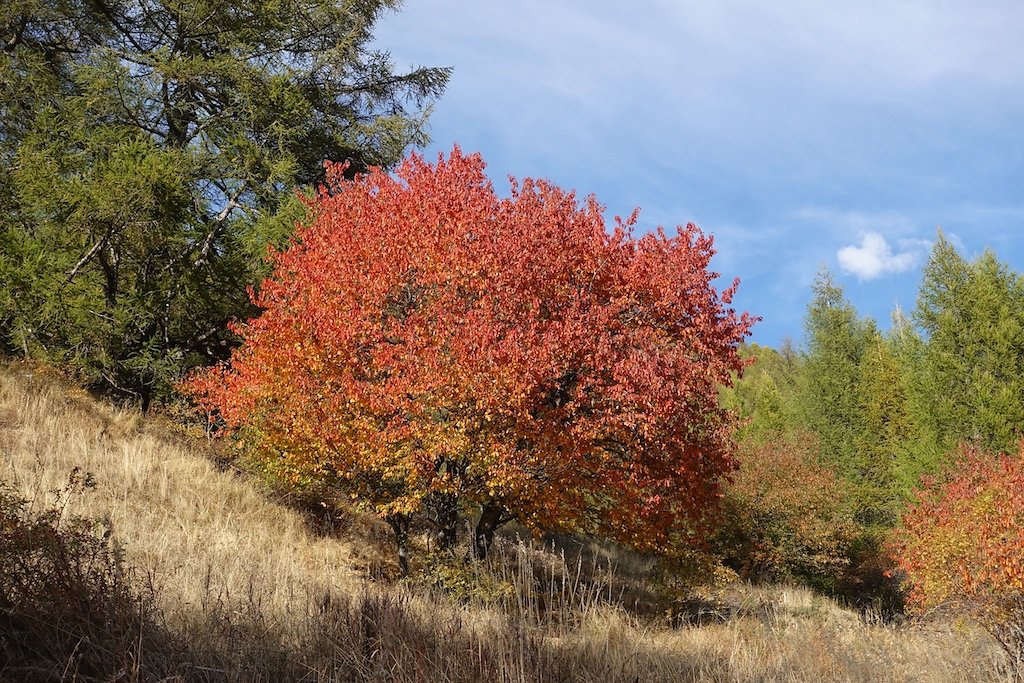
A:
236, 587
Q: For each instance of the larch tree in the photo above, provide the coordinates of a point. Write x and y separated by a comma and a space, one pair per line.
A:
836, 341
150, 149
972, 317
429, 348
765, 398
919, 453
885, 433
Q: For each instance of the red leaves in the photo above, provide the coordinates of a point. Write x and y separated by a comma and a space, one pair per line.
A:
964, 540
424, 334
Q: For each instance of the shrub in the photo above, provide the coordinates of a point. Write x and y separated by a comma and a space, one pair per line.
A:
67, 609
961, 545
785, 516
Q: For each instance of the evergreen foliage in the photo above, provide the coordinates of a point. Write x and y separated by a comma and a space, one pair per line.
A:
766, 398
885, 431
150, 150
972, 314
919, 450
837, 340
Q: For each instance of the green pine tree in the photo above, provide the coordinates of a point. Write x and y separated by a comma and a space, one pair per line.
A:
151, 150
837, 340
972, 315
919, 453
885, 431
765, 398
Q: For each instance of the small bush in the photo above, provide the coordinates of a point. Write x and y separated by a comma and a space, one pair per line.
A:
870, 580
961, 546
785, 516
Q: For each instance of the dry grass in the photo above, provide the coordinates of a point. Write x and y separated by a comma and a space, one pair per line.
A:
251, 593
199, 532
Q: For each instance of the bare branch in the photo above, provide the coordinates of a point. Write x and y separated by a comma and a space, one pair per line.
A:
90, 255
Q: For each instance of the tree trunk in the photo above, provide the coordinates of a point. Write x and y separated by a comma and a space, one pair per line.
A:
399, 523
444, 509
492, 516
109, 266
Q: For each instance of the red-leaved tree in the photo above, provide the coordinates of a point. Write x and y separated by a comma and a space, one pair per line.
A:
962, 545
429, 347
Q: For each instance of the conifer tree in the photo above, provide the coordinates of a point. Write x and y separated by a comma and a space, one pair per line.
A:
883, 434
149, 151
837, 340
919, 453
972, 315
765, 398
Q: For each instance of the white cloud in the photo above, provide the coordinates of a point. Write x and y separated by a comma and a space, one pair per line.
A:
874, 257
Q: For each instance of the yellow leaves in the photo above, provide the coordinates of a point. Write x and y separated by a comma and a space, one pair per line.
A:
423, 335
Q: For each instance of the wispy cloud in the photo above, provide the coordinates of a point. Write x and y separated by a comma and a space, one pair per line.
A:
874, 257
796, 131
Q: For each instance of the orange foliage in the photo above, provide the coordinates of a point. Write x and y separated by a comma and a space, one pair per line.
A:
423, 336
962, 543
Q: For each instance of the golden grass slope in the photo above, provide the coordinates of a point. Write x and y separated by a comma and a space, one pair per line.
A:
261, 597
197, 531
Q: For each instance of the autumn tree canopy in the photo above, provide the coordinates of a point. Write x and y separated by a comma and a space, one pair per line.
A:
430, 348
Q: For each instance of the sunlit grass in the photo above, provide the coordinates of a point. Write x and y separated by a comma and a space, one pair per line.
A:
252, 592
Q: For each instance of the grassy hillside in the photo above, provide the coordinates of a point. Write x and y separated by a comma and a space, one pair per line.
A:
228, 585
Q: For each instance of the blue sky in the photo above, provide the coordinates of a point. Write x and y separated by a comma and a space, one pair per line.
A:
799, 133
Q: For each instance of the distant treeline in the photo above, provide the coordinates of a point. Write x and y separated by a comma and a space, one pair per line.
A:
879, 411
